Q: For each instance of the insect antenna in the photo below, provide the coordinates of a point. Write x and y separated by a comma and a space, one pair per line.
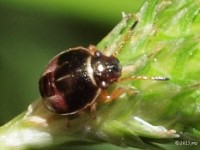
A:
126, 37
158, 78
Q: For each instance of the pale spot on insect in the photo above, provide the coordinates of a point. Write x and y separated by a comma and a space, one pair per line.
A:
100, 68
64, 77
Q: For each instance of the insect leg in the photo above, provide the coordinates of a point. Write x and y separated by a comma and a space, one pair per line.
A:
106, 98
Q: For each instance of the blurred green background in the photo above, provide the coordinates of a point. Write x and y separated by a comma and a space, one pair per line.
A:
33, 31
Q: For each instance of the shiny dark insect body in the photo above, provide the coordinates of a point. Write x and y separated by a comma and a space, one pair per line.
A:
75, 78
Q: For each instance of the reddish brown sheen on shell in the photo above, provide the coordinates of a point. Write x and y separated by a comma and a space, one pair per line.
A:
74, 78
66, 87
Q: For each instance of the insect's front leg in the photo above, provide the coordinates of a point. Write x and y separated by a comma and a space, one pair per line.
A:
105, 97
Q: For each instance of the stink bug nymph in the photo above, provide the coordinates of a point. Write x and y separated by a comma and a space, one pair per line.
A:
74, 80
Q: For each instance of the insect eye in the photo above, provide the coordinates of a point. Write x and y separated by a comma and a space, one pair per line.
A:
114, 67
97, 54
